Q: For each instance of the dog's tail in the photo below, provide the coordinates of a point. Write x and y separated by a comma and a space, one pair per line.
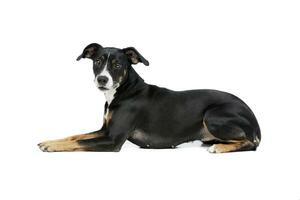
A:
257, 137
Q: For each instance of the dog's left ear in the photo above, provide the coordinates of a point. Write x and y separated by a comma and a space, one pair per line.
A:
90, 51
134, 56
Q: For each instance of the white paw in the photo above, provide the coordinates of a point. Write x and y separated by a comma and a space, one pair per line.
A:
215, 149
212, 149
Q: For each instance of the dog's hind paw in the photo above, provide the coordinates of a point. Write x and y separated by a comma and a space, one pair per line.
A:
212, 149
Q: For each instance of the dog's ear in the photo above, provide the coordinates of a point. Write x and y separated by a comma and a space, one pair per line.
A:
134, 56
90, 51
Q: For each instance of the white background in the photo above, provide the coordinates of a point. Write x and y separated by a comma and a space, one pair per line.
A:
248, 48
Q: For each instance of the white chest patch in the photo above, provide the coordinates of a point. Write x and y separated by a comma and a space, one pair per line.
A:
109, 95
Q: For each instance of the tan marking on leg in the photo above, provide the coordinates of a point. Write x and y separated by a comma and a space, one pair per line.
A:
83, 136
69, 143
61, 146
108, 117
235, 146
75, 137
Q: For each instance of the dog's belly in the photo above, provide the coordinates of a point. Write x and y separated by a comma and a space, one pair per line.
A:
152, 140
148, 140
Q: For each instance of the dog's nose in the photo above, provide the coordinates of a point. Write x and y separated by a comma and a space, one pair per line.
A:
102, 80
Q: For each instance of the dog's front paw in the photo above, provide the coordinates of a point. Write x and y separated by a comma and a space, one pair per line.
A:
46, 146
60, 146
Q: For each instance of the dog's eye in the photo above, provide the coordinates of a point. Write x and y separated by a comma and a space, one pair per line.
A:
99, 61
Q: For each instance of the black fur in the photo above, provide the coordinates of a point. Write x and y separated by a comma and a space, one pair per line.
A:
155, 117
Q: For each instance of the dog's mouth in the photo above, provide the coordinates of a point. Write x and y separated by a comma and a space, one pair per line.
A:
102, 88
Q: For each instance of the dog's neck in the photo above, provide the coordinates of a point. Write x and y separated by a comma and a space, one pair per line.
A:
109, 95
132, 83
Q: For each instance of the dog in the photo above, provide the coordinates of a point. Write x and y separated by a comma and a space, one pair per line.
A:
157, 118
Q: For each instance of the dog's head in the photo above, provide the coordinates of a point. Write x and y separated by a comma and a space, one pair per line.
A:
111, 65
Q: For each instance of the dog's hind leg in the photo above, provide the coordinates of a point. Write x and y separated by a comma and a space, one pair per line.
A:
225, 145
227, 131
244, 145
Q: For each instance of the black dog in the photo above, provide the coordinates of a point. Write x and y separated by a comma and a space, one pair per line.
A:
154, 117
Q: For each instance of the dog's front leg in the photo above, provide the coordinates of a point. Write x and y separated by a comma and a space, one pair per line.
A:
111, 137
95, 141
115, 137
70, 143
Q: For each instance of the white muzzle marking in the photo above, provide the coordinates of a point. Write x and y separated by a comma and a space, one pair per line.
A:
105, 72
109, 94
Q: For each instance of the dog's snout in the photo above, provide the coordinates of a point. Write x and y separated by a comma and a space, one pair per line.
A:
102, 80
